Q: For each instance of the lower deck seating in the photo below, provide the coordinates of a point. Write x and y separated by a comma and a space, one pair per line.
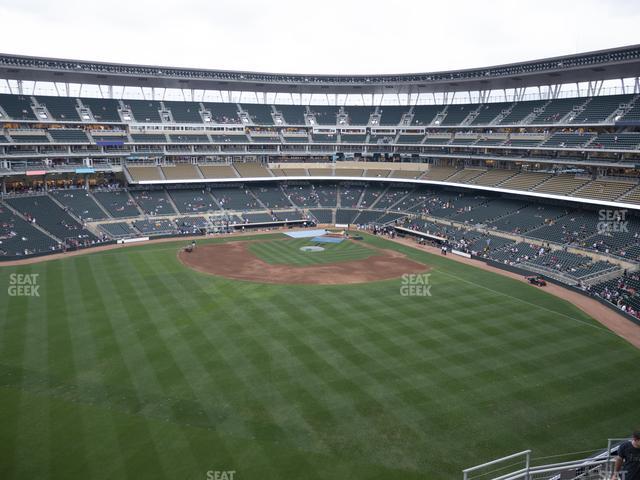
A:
118, 203
236, 198
19, 238
118, 229
193, 200
346, 216
155, 227
271, 196
153, 202
322, 215
80, 203
43, 211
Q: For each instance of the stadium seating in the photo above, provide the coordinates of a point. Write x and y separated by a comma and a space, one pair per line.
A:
410, 138
149, 173
489, 211
19, 238
603, 190
358, 115
492, 177
521, 111
618, 141
68, 135
561, 184
61, 108
189, 138
598, 109
303, 195
118, 229
391, 115
556, 110
325, 115
18, 107
352, 138
425, 114
346, 216
193, 200
218, 171
293, 114
249, 169
488, 113
525, 180
48, 215
327, 194
439, 173
148, 138
323, 216
103, 110
155, 227
153, 202
29, 138
182, 171
391, 196
371, 195
350, 195
260, 114
144, 111
271, 196
236, 198
457, 113
118, 203
184, 112
80, 203
528, 218
223, 112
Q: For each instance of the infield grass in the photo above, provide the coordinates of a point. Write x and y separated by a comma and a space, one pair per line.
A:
287, 252
130, 365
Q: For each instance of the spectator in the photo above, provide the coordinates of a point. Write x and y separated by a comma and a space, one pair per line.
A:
628, 459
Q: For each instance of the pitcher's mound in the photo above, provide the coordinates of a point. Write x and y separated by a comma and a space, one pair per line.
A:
234, 260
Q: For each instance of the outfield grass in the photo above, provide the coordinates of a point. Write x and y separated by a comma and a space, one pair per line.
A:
287, 252
130, 365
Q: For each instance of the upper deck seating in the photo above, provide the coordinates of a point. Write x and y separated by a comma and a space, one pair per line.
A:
61, 108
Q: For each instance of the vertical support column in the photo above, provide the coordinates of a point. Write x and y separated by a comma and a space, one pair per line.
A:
86, 181
20, 88
4, 185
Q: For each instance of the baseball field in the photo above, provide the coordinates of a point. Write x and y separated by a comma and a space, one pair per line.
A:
130, 363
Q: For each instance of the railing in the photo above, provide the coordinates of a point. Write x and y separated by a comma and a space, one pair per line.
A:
597, 466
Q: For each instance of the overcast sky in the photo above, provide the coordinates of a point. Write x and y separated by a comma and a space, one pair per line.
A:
328, 36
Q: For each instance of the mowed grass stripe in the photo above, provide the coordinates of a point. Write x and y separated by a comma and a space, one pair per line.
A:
95, 353
126, 320
200, 405
345, 360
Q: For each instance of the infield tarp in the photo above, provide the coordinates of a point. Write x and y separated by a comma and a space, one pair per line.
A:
327, 239
305, 233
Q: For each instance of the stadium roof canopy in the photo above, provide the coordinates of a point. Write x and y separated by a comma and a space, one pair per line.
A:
615, 63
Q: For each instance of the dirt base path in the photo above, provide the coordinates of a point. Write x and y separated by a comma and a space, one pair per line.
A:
234, 260
615, 322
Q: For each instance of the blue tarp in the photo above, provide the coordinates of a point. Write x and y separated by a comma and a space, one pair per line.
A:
327, 239
305, 233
